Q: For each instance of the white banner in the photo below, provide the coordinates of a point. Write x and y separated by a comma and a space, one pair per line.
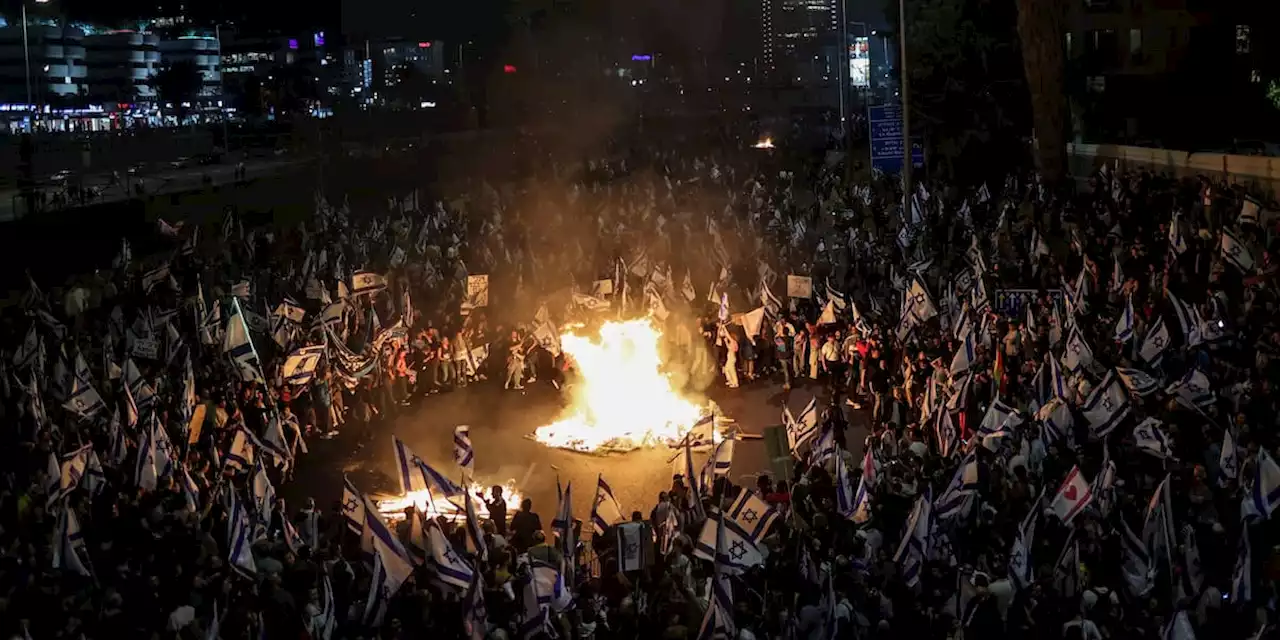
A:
799, 286
477, 291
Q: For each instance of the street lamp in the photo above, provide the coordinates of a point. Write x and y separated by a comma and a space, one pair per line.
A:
26, 49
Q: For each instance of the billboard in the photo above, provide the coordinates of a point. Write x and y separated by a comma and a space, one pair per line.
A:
860, 62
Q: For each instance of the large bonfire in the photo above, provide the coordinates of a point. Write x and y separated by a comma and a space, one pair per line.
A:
622, 399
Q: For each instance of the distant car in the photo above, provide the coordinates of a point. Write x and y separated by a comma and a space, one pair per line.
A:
180, 163
61, 176
137, 169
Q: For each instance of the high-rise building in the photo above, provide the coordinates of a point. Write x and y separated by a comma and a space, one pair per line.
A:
800, 41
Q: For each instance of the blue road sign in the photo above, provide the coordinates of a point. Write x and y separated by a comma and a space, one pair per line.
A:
885, 122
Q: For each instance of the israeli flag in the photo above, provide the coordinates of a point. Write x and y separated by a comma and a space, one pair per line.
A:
1155, 342
965, 355
71, 471
239, 345
1138, 381
240, 538
300, 366
914, 547
1236, 253
1136, 567
392, 563
264, 495
963, 484
718, 463
1194, 389
1264, 494
605, 510
463, 453
1124, 326
1229, 460
718, 621
244, 446
1106, 406
1151, 439
450, 568
802, 429
741, 554
1186, 319
190, 490
1242, 577
1078, 353
1056, 421
475, 535
69, 544
475, 615
945, 433
366, 282
146, 473
417, 475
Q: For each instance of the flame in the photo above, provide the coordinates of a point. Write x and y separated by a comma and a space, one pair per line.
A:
766, 143
392, 508
623, 400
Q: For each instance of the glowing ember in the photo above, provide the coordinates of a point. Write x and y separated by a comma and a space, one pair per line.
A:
623, 399
766, 143
392, 508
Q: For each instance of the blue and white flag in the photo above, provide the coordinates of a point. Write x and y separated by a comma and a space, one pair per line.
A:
1138, 381
190, 490
475, 543
1021, 571
562, 524
94, 480
243, 452
1107, 405
1236, 253
28, 350
1137, 568
475, 615
1124, 326
1151, 439
69, 544
1242, 577
146, 471
300, 366
914, 547
1057, 422
416, 475
1078, 354
962, 486
605, 510
1156, 341
264, 495
1193, 389
718, 621
238, 345
70, 472
1264, 493
718, 463
367, 283
802, 429
1177, 243
240, 537
739, 554
449, 567
752, 515
1229, 459
945, 433
1187, 319
392, 562
82, 399
463, 453
965, 354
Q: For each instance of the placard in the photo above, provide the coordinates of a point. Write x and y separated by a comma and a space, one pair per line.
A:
477, 291
799, 286
147, 348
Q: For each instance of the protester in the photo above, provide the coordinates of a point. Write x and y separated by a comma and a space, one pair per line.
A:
1067, 399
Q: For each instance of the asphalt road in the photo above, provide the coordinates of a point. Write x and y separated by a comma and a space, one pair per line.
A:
500, 422
164, 182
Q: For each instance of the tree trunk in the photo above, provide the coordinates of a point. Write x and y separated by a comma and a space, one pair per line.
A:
1040, 27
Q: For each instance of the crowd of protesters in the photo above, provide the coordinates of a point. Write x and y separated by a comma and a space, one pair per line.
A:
981, 332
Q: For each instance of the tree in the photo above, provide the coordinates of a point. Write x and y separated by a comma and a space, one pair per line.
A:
178, 84
1040, 28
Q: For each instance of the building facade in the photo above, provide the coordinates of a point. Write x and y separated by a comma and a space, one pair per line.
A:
120, 66
56, 67
800, 41
205, 53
